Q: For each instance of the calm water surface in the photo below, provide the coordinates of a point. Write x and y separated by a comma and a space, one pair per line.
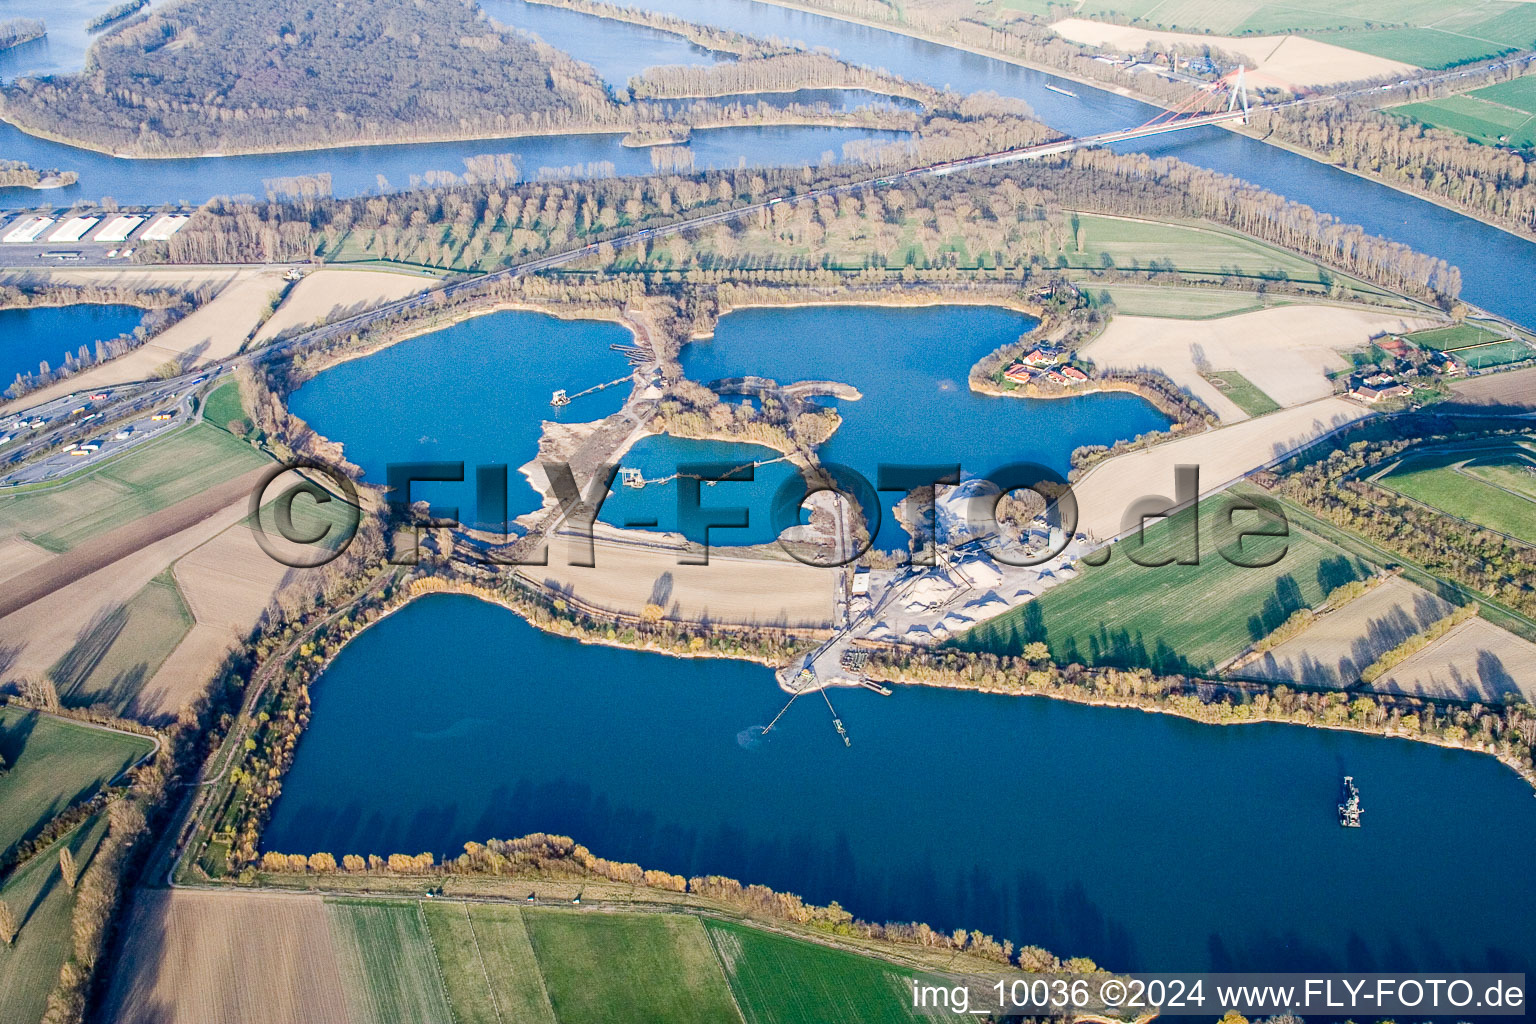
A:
912, 365
475, 393
49, 333
1140, 840
1495, 264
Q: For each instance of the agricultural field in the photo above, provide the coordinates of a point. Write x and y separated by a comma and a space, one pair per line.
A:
1242, 392
154, 476
1175, 618
1474, 661
1498, 115
226, 958
43, 905
122, 650
54, 763
387, 964
232, 957
1100, 241
1444, 480
1514, 392
488, 965
1340, 644
778, 980
659, 967
1178, 303
1427, 33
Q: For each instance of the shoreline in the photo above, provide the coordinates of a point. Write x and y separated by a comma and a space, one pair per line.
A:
1525, 774
898, 28
620, 130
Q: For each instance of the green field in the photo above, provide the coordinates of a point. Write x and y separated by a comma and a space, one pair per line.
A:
1174, 618
1242, 391
1451, 339
638, 968
1478, 117
1179, 303
155, 476
488, 964
387, 963
1429, 33
1500, 353
44, 906
779, 980
1510, 472
1437, 480
224, 409
1134, 244
119, 651
54, 763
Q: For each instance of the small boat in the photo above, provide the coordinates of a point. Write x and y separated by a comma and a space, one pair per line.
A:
1349, 810
1064, 92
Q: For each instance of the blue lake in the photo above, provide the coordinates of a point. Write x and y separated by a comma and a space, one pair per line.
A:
1495, 264
475, 393
49, 333
912, 365
656, 507
1143, 841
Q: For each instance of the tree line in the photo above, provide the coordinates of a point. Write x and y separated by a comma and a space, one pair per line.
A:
15, 31
163, 306
540, 856
1332, 486
1492, 182
1507, 731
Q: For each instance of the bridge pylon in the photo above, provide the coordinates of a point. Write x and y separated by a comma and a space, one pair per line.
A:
1238, 93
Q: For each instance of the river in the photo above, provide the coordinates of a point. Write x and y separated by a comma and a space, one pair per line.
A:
1494, 263
1143, 841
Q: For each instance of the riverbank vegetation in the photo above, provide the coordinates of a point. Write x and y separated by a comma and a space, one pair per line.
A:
541, 858
163, 307
708, 37
15, 31
15, 174
115, 14
219, 75
1507, 731
1335, 483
